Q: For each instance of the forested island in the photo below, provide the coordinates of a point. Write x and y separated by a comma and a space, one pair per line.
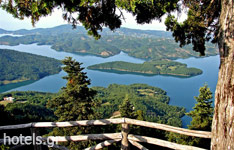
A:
164, 67
18, 66
145, 44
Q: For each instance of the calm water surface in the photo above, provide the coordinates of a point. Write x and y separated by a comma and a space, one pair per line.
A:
15, 35
180, 90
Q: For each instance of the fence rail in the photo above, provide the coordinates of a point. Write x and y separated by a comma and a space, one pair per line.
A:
111, 138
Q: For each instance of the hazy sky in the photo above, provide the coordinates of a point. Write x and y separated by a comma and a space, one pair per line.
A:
9, 23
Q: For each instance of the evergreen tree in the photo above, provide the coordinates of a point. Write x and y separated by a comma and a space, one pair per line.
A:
75, 102
203, 111
207, 19
127, 109
202, 115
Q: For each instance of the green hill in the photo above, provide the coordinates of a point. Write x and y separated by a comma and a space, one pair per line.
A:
146, 44
152, 101
17, 66
164, 67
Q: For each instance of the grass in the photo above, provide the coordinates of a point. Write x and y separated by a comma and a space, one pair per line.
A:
147, 92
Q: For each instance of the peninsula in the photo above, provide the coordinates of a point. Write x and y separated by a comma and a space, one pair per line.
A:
18, 66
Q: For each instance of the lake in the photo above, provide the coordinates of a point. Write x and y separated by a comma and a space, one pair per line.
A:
180, 90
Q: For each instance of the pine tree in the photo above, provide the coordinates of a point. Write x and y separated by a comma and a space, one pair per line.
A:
207, 19
127, 109
75, 102
203, 111
202, 115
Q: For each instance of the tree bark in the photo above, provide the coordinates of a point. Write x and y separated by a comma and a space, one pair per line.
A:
223, 120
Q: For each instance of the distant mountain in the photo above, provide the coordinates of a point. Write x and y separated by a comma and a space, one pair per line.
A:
3, 31
81, 30
145, 44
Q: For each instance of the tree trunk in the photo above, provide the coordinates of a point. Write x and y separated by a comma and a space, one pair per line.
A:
223, 120
124, 143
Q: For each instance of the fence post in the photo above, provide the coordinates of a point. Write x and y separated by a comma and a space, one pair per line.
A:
35, 132
124, 142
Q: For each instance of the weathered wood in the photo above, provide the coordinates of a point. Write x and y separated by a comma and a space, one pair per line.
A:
17, 147
35, 133
138, 145
195, 133
124, 142
20, 126
162, 143
79, 123
103, 144
59, 147
202, 134
105, 136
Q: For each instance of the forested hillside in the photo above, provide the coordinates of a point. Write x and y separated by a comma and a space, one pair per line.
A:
165, 67
81, 30
28, 107
17, 66
152, 101
137, 43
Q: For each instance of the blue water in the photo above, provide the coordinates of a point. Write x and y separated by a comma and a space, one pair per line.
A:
180, 90
15, 35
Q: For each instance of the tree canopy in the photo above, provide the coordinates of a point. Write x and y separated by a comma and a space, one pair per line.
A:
201, 120
200, 26
206, 20
75, 102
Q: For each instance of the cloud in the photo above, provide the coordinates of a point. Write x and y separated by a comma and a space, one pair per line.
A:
8, 22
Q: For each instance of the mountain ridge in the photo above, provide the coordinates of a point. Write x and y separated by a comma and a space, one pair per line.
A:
81, 30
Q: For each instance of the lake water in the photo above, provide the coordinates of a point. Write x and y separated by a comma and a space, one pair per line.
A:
180, 90
15, 35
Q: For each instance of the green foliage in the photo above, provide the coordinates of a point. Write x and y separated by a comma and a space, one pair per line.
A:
31, 97
150, 45
4, 147
201, 25
27, 107
201, 120
24, 113
94, 15
127, 109
149, 102
203, 111
165, 67
17, 66
76, 99
75, 102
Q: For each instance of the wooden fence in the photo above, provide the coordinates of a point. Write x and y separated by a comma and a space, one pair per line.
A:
110, 138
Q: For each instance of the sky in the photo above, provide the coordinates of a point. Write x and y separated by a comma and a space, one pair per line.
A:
8, 22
